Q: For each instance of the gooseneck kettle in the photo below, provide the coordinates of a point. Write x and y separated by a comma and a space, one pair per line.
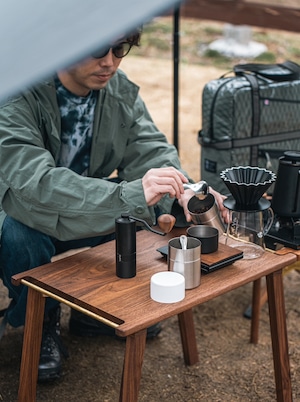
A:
286, 195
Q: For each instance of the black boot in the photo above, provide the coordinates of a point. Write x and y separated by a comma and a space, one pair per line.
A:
51, 348
82, 325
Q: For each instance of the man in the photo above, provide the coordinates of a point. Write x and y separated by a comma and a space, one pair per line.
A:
60, 143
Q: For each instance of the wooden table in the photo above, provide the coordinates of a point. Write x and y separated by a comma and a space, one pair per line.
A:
260, 293
87, 282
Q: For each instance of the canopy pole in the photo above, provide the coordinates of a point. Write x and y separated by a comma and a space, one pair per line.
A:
176, 76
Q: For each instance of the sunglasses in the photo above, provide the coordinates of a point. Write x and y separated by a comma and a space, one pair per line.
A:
120, 50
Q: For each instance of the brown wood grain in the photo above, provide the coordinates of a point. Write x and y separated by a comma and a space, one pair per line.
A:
31, 346
88, 279
224, 252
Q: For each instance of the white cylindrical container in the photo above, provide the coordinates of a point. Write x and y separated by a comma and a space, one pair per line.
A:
167, 287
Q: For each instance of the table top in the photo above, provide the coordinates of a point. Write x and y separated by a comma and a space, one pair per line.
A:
88, 280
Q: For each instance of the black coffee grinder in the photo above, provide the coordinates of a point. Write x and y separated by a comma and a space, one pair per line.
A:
286, 203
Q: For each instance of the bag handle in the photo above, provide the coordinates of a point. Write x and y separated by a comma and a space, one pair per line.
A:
287, 71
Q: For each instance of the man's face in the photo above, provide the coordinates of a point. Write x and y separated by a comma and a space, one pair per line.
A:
92, 73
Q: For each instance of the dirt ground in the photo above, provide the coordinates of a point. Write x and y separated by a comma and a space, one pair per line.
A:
230, 369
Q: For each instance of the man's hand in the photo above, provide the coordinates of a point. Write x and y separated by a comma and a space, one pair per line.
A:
161, 181
219, 200
183, 202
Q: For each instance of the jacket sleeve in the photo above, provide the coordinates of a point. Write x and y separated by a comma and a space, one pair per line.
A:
51, 199
148, 148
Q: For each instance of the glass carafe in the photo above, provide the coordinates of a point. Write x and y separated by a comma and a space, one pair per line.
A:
246, 231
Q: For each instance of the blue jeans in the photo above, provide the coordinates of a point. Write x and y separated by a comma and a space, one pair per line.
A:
23, 248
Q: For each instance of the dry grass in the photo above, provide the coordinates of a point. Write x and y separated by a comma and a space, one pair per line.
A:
195, 35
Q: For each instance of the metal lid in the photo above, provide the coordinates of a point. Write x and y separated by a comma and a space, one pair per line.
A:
292, 156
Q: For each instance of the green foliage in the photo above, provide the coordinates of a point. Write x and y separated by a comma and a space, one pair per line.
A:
212, 30
266, 57
213, 54
159, 25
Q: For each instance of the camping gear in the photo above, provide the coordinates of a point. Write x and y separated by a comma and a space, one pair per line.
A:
205, 211
250, 118
184, 257
200, 189
286, 197
208, 235
125, 229
286, 203
70, 31
250, 215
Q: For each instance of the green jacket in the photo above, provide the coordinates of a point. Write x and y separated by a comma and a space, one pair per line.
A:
59, 202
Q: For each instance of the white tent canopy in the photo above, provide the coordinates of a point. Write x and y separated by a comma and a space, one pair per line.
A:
38, 37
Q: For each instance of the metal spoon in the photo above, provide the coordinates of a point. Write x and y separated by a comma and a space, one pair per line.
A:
183, 242
179, 258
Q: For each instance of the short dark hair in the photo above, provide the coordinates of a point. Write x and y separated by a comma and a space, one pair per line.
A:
134, 38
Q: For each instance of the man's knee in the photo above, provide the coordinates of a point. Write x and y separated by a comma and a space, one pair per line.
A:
23, 248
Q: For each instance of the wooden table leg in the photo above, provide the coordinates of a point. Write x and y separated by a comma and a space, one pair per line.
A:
188, 337
31, 346
132, 368
279, 336
255, 311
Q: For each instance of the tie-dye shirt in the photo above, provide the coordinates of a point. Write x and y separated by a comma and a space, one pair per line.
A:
77, 115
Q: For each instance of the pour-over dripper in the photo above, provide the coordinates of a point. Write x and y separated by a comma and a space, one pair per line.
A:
248, 209
247, 184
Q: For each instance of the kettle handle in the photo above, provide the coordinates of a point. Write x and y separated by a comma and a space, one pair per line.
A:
270, 220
